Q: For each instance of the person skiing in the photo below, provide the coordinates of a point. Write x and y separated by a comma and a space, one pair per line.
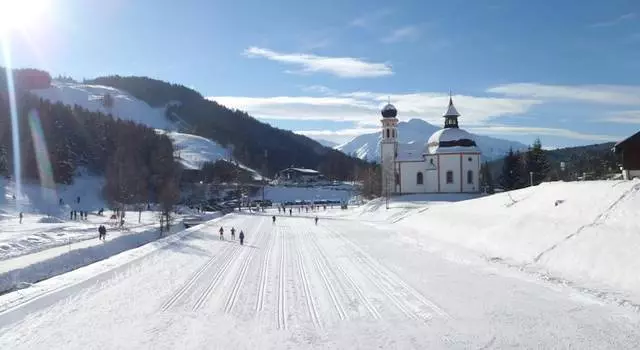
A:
241, 237
273, 219
221, 233
233, 233
20, 217
316, 221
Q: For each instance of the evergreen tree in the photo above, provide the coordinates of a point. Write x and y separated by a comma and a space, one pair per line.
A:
486, 180
536, 163
511, 177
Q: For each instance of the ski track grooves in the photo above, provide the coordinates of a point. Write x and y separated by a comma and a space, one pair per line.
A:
356, 289
242, 274
217, 277
264, 272
282, 305
192, 281
388, 283
311, 305
322, 267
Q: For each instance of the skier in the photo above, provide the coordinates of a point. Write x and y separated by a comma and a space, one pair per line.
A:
273, 219
316, 221
221, 233
20, 217
241, 237
233, 233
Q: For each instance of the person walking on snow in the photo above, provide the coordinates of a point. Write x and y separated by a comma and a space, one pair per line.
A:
316, 221
233, 234
221, 233
241, 237
20, 217
102, 233
273, 219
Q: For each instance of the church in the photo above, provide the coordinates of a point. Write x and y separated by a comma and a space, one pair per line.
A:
449, 162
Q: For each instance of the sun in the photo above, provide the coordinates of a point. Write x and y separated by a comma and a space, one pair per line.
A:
21, 14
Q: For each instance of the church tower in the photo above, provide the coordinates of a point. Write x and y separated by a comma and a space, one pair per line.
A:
389, 148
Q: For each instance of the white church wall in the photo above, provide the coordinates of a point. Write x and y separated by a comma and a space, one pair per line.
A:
449, 162
470, 162
409, 178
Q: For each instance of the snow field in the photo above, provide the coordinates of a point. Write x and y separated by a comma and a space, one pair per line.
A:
590, 237
340, 284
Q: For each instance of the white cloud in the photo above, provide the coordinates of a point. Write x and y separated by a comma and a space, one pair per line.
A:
624, 117
530, 130
615, 21
364, 107
345, 67
369, 19
408, 33
319, 89
604, 94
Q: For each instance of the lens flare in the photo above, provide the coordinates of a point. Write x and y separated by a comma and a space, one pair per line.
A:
15, 129
42, 157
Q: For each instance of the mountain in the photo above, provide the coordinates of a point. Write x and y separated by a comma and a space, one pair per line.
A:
253, 143
414, 134
327, 143
192, 151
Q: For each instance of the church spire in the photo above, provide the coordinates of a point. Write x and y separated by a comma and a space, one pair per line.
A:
451, 115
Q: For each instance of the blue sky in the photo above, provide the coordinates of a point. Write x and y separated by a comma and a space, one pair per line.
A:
567, 72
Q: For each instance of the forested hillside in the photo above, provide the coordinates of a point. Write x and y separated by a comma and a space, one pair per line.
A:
255, 144
57, 141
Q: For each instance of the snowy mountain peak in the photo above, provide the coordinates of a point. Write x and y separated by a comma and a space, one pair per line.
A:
415, 133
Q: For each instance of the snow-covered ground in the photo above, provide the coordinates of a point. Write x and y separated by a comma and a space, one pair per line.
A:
193, 151
340, 284
90, 97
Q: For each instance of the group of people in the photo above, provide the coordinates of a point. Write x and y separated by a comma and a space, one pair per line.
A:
233, 235
73, 215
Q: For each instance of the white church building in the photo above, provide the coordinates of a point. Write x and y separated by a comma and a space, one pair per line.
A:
449, 163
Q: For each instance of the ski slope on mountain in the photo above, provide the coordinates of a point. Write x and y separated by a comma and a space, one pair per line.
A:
90, 97
340, 284
192, 150
414, 135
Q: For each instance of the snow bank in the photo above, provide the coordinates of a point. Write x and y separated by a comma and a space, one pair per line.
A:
76, 258
585, 232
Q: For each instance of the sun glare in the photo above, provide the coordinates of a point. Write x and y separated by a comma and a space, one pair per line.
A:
21, 14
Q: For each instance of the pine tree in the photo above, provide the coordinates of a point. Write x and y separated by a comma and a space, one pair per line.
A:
486, 180
536, 163
511, 177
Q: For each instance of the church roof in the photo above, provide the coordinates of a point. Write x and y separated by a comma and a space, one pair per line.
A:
451, 140
451, 111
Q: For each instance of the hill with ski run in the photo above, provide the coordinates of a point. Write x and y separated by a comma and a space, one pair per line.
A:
192, 150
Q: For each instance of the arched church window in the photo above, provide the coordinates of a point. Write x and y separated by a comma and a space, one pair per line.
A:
387, 133
470, 176
393, 133
397, 179
419, 178
449, 177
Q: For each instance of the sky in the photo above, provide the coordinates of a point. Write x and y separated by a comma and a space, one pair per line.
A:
567, 72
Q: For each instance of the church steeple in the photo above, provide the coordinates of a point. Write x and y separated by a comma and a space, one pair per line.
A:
451, 116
